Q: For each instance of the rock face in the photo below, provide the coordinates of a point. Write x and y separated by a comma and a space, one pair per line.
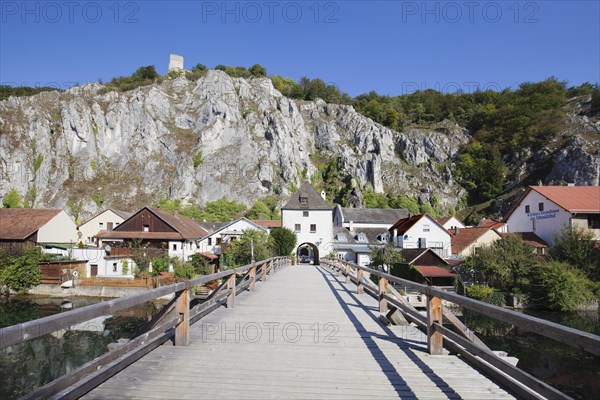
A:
217, 136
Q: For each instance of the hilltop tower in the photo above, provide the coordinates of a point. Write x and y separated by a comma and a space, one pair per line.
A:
175, 62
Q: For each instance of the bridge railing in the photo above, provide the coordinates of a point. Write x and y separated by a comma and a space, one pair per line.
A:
172, 322
466, 342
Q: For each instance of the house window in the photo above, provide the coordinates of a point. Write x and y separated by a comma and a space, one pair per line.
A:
117, 223
114, 267
101, 225
541, 207
426, 228
210, 241
174, 247
297, 228
303, 200
218, 240
527, 209
146, 228
594, 221
313, 228
305, 213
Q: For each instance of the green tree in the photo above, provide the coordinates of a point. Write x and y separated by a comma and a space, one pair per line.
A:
259, 209
506, 264
12, 199
283, 241
385, 256
160, 264
258, 70
223, 210
575, 246
23, 272
201, 265
240, 251
146, 73
559, 287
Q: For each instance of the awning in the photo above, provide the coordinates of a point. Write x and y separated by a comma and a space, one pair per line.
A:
435, 272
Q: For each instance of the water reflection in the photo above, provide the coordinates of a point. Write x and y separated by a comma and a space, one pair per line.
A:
568, 369
30, 365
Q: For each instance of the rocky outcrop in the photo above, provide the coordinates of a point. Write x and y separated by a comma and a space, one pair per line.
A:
217, 136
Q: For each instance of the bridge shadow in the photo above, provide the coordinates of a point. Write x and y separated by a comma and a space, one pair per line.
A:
406, 345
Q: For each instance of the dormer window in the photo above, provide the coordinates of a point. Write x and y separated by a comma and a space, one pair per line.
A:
303, 200
361, 237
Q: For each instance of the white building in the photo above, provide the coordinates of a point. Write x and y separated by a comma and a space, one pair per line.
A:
22, 227
451, 223
224, 234
310, 217
357, 218
466, 241
420, 232
545, 210
106, 220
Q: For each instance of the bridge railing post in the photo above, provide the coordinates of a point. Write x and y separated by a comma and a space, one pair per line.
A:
182, 307
339, 267
231, 286
347, 273
383, 287
435, 339
264, 272
253, 275
359, 285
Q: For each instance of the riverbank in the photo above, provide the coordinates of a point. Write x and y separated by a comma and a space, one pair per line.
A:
86, 291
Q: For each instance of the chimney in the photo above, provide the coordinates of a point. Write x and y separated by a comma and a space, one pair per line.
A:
455, 230
351, 226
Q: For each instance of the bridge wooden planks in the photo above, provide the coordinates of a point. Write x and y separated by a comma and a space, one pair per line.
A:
318, 339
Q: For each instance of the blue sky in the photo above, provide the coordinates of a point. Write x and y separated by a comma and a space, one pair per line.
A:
392, 47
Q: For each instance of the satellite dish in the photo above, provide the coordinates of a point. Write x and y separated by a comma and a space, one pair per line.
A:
75, 274
107, 248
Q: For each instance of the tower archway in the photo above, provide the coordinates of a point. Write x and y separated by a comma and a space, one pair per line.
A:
307, 253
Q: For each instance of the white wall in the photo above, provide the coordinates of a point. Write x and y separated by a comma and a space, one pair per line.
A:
435, 236
105, 265
324, 228
452, 223
60, 229
90, 228
238, 226
545, 223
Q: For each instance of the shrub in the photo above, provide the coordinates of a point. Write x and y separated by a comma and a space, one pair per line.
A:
184, 271
479, 292
160, 264
559, 287
21, 273
283, 241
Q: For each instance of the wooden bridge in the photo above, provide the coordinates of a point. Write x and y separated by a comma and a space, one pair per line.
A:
299, 332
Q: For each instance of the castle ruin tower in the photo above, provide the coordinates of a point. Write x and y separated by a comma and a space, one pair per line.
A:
175, 62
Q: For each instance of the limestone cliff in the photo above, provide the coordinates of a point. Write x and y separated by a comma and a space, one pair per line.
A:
218, 136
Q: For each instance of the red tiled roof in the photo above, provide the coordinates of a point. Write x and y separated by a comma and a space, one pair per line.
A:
435, 272
186, 226
404, 224
490, 223
267, 223
465, 237
210, 256
443, 220
20, 223
139, 235
572, 198
529, 238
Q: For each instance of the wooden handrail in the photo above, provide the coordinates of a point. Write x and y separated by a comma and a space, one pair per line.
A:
573, 337
469, 345
165, 326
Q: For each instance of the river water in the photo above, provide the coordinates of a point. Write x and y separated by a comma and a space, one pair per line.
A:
30, 365
566, 368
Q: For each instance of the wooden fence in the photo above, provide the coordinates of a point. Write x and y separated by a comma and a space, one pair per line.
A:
466, 342
115, 282
57, 272
172, 321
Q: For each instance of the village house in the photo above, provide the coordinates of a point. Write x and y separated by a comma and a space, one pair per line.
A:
424, 266
421, 232
157, 232
467, 241
539, 245
106, 220
499, 226
308, 215
222, 234
545, 210
54, 230
357, 231
451, 223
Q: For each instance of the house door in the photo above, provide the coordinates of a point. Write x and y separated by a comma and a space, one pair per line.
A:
94, 270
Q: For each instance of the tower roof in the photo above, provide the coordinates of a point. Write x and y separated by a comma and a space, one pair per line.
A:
306, 198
